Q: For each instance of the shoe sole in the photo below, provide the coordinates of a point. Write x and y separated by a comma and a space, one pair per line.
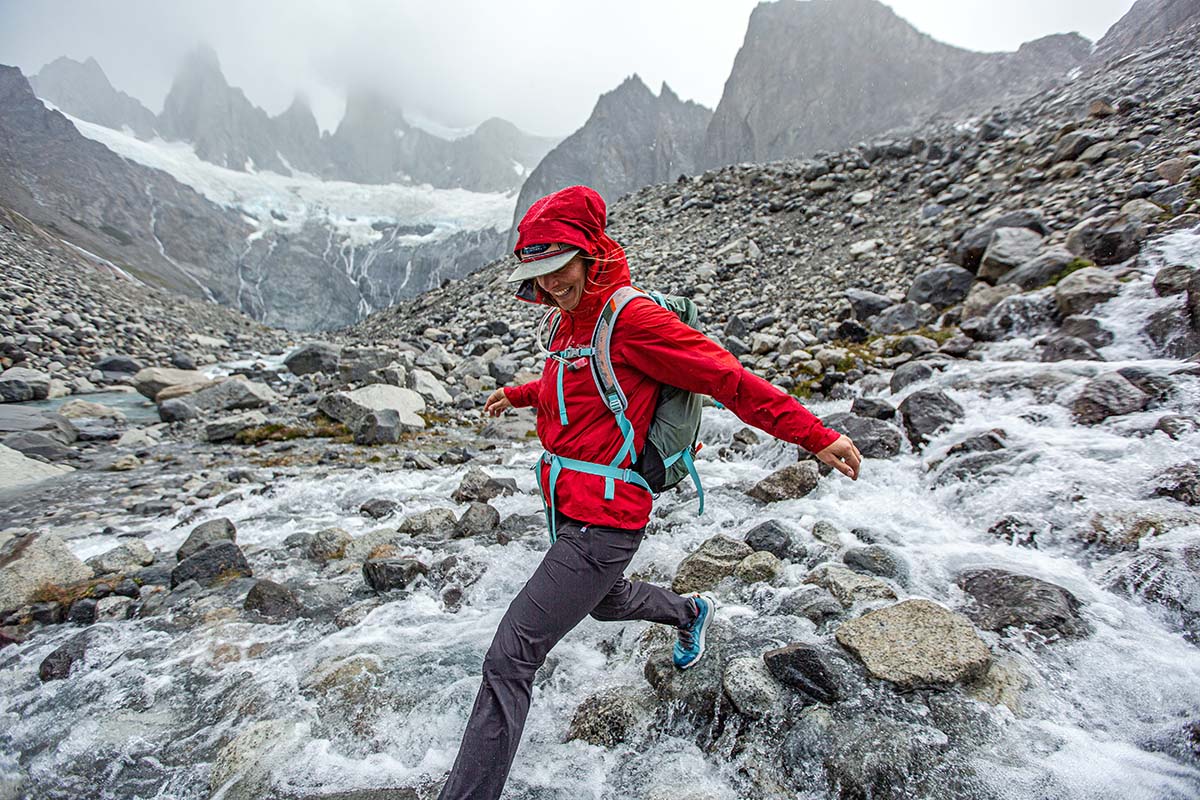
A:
712, 612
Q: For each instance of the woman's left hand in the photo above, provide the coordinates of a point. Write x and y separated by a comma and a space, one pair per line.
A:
843, 456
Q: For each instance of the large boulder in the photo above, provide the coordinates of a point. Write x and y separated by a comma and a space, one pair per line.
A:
715, 559
213, 564
479, 487
427, 385
942, 286
607, 718
864, 304
969, 249
849, 586
817, 673
926, 412
272, 600
916, 644
378, 427
387, 574
314, 357
876, 559
1008, 249
351, 407
234, 394
1084, 289
205, 535
789, 483
750, 687
1002, 599
1107, 240
128, 556
27, 563
900, 317
16, 469
18, 384
874, 438
226, 428
1040, 270
1107, 395
33, 443
772, 537
1166, 575
152, 380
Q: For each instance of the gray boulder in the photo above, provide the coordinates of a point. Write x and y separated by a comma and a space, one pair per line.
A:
315, 357
152, 380
176, 410
941, 287
864, 304
18, 384
816, 673
1180, 482
751, 688
386, 574
1084, 289
789, 483
1002, 599
427, 385
479, 487
607, 718
1107, 395
478, 519
30, 562
926, 412
232, 395
381, 426
1008, 249
1040, 270
909, 373
848, 586
128, 556
1172, 280
206, 534
328, 544
1107, 240
916, 644
226, 428
715, 559
969, 249
351, 407
33, 443
772, 537
1067, 348
811, 602
272, 600
217, 562
875, 559
874, 438
1087, 328
900, 317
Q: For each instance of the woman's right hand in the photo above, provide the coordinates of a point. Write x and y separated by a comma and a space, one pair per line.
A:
496, 403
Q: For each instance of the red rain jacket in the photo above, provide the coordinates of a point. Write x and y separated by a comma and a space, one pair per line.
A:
650, 346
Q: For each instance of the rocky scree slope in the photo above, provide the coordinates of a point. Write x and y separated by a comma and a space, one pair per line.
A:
786, 256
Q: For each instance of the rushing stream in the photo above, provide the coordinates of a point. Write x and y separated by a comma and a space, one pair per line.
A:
1096, 716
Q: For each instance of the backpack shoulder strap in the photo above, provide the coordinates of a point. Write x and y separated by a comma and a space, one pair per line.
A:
602, 368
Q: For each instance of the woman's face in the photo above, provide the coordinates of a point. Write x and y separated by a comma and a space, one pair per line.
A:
566, 283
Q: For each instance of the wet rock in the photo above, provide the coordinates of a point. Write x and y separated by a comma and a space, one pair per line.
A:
1018, 530
33, 443
1107, 240
789, 483
59, 663
957, 346
1127, 530
1105, 396
941, 287
1172, 280
328, 544
1176, 426
479, 487
916, 644
113, 608
226, 428
386, 574
433, 522
1172, 332
873, 408
317, 357
242, 770
82, 611
206, 534
751, 688
119, 363
382, 426
811, 602
1002, 599
982, 299
874, 438
217, 562
1158, 387
19, 384
926, 412
1166, 575
1008, 249
477, 520
1040, 270
1067, 348
849, 586
1083, 289
759, 567
129, 556
715, 559
817, 673
34, 560
607, 718
875, 559
378, 508
907, 374
1087, 328
772, 537
1180, 482
698, 692
272, 600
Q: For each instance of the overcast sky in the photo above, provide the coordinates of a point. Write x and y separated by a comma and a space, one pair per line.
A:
538, 63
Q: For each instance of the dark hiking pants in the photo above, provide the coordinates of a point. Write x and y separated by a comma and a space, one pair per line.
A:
580, 575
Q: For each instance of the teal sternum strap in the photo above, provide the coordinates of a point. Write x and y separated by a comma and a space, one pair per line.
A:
690, 463
564, 359
559, 463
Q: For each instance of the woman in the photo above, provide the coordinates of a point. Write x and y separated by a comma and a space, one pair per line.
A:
568, 262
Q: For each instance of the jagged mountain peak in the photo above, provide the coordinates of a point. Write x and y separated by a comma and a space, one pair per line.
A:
82, 89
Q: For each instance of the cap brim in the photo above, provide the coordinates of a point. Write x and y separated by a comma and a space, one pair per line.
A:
543, 266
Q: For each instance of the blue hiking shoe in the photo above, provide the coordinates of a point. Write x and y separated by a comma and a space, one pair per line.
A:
690, 647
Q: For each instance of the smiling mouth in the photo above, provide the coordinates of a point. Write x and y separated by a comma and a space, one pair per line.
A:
563, 293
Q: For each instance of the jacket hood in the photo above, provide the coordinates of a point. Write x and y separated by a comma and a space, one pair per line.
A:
575, 216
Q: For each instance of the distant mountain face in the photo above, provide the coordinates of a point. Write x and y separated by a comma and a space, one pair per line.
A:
298, 266
823, 74
82, 90
631, 140
373, 144
1146, 22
